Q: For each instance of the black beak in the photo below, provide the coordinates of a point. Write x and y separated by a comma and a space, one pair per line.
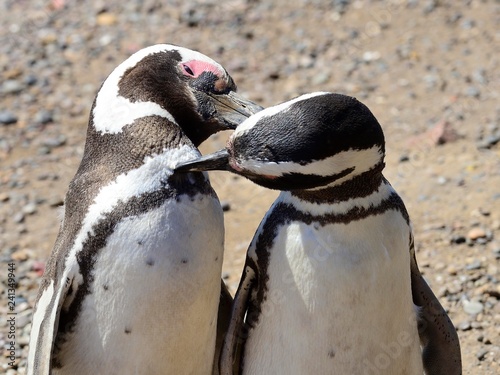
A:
219, 160
232, 109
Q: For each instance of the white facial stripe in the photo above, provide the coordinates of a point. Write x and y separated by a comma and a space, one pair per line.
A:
271, 111
363, 160
112, 112
148, 177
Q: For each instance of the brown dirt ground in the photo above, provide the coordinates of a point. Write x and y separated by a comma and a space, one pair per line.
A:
416, 65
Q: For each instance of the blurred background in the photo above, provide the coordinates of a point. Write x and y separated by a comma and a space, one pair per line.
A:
428, 70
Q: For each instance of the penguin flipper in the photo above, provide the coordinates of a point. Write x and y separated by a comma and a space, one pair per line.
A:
438, 337
223, 320
45, 324
235, 338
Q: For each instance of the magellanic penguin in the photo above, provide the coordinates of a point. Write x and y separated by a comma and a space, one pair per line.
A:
330, 284
132, 285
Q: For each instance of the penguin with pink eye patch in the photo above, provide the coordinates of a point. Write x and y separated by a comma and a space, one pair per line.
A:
133, 284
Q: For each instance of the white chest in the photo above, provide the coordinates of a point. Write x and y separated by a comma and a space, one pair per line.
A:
338, 301
154, 299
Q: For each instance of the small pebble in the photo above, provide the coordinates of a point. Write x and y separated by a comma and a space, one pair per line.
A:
18, 217
454, 17
23, 319
404, 158
340, 6
442, 180
105, 40
472, 307
226, 206
484, 212
320, 79
7, 118
457, 239
430, 6
479, 75
43, 116
464, 326
30, 208
55, 201
452, 270
468, 24
489, 141
43, 150
481, 354
191, 17
476, 233
106, 19
473, 266
476, 325
11, 86
22, 305
472, 91
30, 79
53, 142
20, 255
496, 253
369, 56
482, 241
48, 176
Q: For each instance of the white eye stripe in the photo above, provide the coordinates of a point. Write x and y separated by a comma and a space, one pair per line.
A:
112, 112
362, 160
248, 124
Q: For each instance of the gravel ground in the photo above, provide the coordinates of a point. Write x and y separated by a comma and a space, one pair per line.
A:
427, 69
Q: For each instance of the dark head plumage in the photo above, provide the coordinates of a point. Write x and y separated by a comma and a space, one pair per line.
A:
313, 141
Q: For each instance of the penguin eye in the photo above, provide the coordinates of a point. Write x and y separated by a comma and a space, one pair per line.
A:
188, 70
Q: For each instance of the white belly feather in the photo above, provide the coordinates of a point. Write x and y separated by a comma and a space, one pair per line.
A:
338, 302
154, 300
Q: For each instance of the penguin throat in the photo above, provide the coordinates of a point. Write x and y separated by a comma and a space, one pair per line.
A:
359, 186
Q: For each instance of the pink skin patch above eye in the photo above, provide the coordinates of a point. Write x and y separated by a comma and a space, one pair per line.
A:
197, 67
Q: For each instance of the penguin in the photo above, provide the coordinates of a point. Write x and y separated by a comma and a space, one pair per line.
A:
330, 284
133, 283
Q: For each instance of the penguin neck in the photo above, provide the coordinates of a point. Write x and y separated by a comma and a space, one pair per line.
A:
146, 136
324, 206
359, 186
108, 156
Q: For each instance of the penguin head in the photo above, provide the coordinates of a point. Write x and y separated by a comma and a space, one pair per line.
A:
185, 86
314, 141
